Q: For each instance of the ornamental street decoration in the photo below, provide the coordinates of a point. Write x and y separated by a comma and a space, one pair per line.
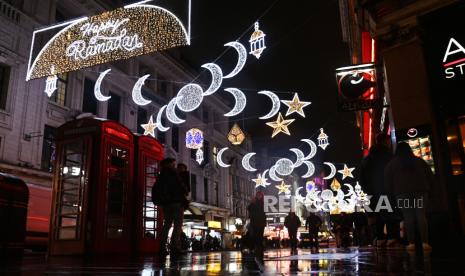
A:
132, 30
357, 87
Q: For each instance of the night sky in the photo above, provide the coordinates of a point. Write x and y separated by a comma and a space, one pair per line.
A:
304, 46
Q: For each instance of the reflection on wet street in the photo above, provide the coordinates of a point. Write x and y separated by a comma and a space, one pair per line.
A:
324, 262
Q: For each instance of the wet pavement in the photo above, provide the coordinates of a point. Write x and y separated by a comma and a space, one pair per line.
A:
326, 261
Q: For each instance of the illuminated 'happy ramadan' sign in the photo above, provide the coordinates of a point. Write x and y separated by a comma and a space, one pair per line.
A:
126, 32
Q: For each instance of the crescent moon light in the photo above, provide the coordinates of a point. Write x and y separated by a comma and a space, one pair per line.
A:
219, 159
273, 175
217, 78
97, 92
300, 157
312, 148
241, 101
136, 93
246, 162
298, 196
171, 113
333, 170
242, 52
276, 104
351, 190
158, 121
310, 169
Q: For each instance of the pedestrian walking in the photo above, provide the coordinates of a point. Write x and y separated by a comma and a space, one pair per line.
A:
292, 223
257, 223
169, 192
372, 180
312, 225
411, 179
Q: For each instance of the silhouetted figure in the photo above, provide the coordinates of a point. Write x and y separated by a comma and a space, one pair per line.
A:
372, 181
172, 204
360, 228
313, 224
292, 223
257, 223
410, 179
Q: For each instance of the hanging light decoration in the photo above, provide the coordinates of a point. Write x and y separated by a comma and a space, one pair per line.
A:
194, 138
323, 139
199, 156
236, 136
257, 42
51, 83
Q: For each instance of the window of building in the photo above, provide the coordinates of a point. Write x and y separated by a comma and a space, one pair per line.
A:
206, 152
215, 155
161, 137
89, 102
59, 96
216, 190
193, 187
205, 189
175, 138
4, 82
48, 148
141, 119
162, 86
114, 107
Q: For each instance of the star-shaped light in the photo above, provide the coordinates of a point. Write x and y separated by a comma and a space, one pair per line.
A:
261, 181
149, 128
283, 188
296, 105
346, 172
280, 125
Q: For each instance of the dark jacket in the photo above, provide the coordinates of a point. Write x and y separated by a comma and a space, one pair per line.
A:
292, 223
313, 222
372, 171
185, 180
174, 190
257, 214
408, 176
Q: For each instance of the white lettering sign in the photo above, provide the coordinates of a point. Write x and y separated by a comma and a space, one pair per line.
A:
105, 37
455, 67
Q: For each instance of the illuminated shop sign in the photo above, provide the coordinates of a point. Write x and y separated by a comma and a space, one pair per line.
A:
214, 224
454, 59
357, 87
126, 32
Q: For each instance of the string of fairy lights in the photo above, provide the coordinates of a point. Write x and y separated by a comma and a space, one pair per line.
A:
136, 30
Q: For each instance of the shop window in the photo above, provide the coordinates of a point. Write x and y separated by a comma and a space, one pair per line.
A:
48, 148
141, 119
89, 102
114, 107
4, 82
455, 142
175, 138
193, 187
59, 96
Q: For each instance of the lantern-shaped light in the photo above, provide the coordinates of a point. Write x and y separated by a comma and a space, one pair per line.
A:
51, 83
236, 136
323, 139
199, 156
194, 138
257, 42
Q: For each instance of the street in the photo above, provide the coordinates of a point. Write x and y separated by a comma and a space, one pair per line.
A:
326, 261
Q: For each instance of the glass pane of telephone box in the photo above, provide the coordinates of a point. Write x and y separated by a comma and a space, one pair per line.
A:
71, 188
116, 191
150, 212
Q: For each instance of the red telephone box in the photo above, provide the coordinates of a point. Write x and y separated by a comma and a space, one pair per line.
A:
149, 152
92, 204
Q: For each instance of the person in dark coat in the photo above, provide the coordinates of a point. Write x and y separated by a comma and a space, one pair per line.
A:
372, 181
410, 179
174, 198
257, 223
292, 223
312, 224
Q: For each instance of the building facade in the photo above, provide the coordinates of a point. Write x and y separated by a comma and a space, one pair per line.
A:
409, 42
29, 118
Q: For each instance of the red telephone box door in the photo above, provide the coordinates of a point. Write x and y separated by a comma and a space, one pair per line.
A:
114, 197
149, 154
